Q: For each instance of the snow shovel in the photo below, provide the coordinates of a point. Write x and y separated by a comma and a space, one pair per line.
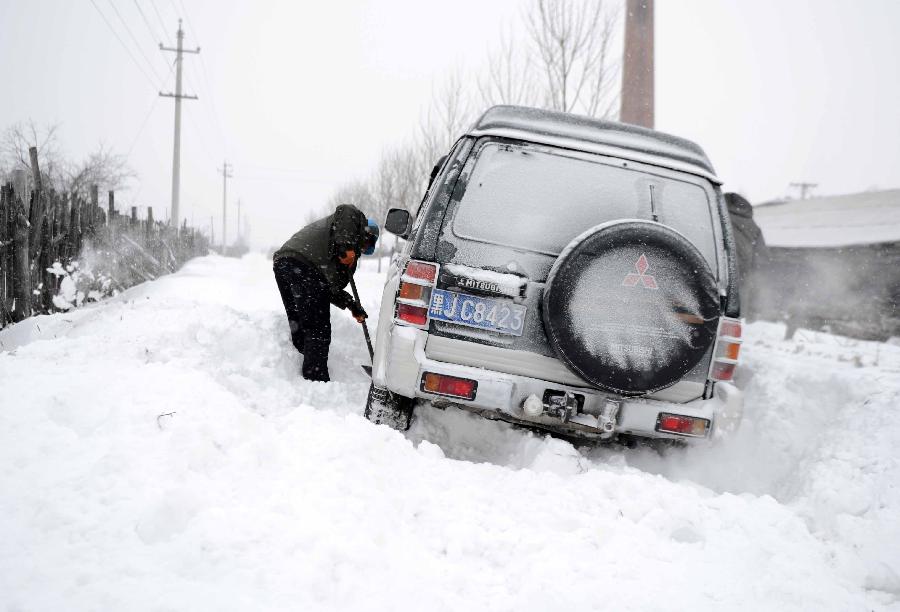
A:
367, 369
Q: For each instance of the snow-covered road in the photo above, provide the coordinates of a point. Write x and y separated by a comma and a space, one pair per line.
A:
256, 490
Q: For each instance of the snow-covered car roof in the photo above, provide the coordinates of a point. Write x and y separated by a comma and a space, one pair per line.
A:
871, 217
586, 133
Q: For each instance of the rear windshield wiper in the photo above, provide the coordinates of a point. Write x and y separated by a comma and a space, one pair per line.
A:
653, 205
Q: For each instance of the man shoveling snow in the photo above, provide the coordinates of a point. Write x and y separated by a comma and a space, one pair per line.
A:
311, 269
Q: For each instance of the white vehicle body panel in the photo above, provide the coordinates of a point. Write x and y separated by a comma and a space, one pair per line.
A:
532, 365
402, 359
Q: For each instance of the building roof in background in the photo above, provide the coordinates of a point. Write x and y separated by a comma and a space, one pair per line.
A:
872, 217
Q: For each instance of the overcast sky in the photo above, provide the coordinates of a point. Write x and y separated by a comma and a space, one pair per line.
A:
301, 96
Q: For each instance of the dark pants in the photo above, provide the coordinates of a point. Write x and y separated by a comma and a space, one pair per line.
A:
304, 292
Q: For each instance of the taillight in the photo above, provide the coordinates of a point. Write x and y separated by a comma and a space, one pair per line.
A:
409, 291
421, 271
722, 371
684, 425
731, 350
727, 350
414, 292
730, 327
449, 385
414, 315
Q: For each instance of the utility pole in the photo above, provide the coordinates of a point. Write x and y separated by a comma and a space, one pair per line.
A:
226, 174
637, 64
805, 188
176, 155
239, 221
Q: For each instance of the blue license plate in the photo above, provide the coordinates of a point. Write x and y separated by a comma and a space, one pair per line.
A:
502, 316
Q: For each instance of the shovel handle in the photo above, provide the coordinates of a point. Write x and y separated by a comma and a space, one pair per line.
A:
363, 322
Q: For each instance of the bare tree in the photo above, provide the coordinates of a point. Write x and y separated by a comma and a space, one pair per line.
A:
449, 115
18, 138
402, 174
446, 119
102, 167
356, 193
450, 112
316, 213
384, 186
410, 176
571, 44
428, 146
507, 76
603, 98
397, 183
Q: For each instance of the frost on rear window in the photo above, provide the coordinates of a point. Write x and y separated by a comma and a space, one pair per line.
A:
540, 199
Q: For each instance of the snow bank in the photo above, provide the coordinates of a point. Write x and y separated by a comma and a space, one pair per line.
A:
159, 451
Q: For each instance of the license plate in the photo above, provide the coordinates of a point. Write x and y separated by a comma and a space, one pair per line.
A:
502, 316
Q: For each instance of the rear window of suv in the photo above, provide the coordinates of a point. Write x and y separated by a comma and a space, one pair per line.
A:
540, 198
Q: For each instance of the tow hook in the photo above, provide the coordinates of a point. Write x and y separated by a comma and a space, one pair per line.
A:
563, 406
568, 406
607, 419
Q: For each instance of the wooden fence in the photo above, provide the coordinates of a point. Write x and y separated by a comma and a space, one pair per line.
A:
64, 228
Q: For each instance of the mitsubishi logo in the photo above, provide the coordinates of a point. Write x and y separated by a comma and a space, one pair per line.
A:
632, 279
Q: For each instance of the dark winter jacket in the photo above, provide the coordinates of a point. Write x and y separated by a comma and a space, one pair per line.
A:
319, 244
752, 253
748, 237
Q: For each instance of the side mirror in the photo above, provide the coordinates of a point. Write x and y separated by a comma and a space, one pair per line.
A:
398, 222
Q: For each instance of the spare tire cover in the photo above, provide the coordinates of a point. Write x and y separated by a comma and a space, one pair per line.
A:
631, 306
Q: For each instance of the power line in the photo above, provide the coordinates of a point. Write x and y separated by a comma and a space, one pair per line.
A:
204, 72
186, 17
207, 92
216, 124
274, 168
124, 46
147, 118
146, 23
287, 179
162, 23
175, 10
133, 38
272, 173
153, 35
202, 135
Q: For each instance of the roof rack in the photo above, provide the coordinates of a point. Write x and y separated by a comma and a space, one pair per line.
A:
551, 127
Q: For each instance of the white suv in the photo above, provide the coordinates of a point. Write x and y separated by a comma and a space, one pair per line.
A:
566, 274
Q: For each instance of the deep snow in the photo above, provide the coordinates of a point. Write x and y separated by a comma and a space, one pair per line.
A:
257, 490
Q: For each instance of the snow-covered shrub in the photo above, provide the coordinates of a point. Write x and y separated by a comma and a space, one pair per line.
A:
78, 283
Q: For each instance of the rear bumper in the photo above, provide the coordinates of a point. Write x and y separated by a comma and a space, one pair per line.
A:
501, 395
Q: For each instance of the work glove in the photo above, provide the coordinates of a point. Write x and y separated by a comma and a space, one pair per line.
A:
347, 257
357, 311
